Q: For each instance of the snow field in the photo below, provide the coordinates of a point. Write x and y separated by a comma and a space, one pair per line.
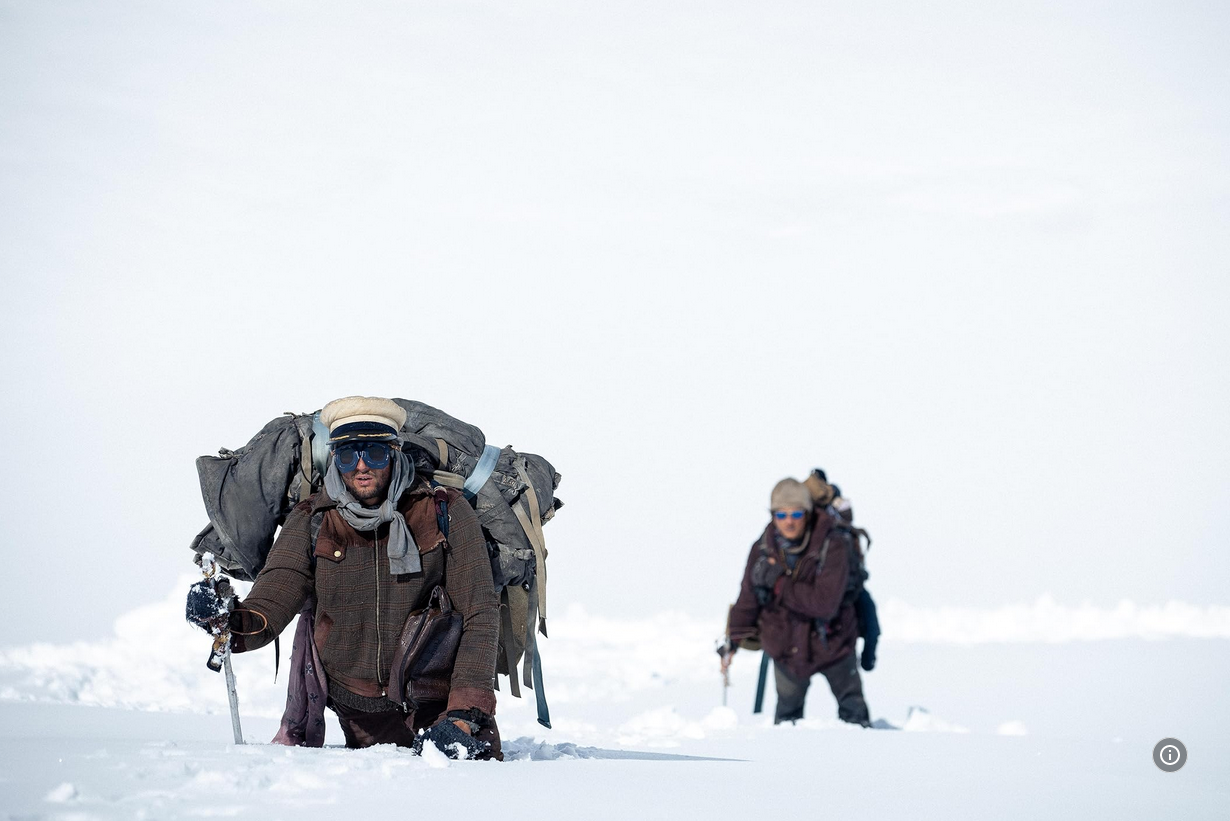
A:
134, 726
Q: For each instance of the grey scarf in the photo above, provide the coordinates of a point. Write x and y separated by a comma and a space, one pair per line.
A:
792, 549
403, 552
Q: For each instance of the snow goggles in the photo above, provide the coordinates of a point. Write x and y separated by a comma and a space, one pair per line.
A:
783, 515
375, 455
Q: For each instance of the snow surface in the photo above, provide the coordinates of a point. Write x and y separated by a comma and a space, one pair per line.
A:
1032, 724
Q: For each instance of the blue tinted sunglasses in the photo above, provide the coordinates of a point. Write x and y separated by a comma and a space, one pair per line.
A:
375, 455
783, 515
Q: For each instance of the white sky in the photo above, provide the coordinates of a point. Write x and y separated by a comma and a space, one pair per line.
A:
972, 260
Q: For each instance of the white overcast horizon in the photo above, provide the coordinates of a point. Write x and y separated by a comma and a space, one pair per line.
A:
972, 260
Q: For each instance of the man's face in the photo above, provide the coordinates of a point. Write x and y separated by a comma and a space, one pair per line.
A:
792, 524
368, 485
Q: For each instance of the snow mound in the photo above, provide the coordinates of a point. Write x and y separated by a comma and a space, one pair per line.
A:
154, 661
662, 727
920, 720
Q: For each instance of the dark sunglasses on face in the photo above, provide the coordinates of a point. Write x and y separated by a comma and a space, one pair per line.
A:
375, 455
783, 515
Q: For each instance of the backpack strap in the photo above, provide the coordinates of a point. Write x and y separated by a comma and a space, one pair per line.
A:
318, 519
299, 491
305, 467
531, 523
508, 635
482, 471
540, 698
824, 550
531, 673
441, 497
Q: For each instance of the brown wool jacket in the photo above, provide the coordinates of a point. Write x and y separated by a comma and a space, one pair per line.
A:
361, 607
814, 590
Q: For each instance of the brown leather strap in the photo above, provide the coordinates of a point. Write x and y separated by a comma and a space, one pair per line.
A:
264, 624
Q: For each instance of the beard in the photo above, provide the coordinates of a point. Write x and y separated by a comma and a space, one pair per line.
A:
376, 490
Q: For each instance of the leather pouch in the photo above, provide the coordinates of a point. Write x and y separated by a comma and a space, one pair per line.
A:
426, 651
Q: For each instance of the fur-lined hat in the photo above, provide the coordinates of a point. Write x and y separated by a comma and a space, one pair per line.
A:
789, 493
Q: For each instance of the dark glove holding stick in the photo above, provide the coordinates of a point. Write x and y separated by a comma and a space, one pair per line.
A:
208, 607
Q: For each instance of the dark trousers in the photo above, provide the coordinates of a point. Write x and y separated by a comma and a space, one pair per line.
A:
394, 727
843, 679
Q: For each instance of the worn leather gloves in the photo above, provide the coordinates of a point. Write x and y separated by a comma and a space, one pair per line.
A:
206, 605
451, 740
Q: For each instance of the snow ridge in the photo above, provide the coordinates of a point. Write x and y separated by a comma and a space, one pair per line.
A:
156, 661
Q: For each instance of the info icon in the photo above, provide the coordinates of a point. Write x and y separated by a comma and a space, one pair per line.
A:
1169, 754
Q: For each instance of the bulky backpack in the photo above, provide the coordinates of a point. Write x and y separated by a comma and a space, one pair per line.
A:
829, 495
249, 492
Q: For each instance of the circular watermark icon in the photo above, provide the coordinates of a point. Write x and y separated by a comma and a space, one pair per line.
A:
1169, 754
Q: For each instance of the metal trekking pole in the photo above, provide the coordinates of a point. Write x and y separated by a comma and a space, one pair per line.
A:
231, 695
220, 654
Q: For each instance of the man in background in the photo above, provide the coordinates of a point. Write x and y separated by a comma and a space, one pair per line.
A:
795, 598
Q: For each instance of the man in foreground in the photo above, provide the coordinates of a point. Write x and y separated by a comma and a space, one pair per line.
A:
370, 549
795, 598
